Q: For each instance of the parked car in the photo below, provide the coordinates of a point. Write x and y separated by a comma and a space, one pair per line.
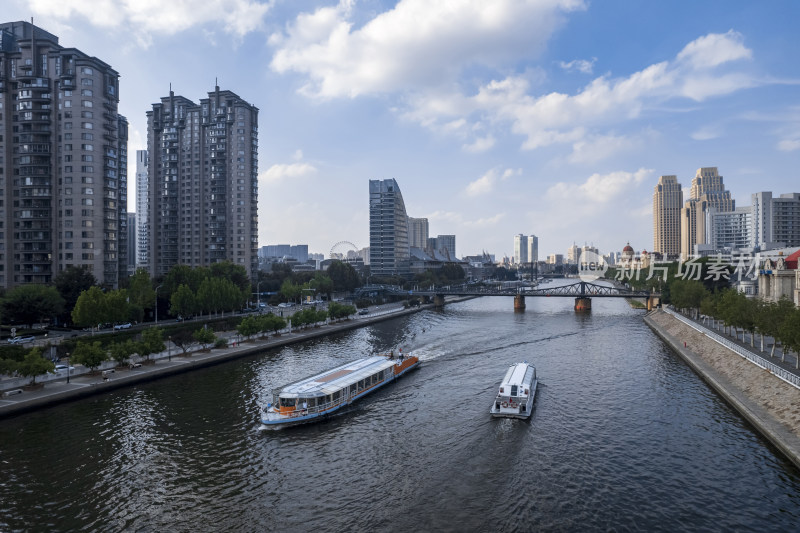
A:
59, 368
364, 311
20, 340
126, 325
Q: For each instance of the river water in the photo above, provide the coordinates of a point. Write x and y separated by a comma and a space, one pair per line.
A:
624, 436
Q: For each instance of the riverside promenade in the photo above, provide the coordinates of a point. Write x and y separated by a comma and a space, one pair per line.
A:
172, 361
768, 402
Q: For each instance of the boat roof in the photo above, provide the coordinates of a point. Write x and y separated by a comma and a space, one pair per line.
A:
519, 374
337, 378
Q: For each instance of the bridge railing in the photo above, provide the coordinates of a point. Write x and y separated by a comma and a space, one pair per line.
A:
782, 373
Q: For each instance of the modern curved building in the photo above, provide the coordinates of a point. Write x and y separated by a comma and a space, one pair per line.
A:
389, 252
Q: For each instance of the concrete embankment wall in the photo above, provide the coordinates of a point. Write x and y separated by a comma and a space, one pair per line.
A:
770, 404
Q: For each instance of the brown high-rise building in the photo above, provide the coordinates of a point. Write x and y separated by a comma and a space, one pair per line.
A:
667, 204
203, 182
707, 191
63, 181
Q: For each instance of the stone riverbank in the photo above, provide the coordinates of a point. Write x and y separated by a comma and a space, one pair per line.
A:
770, 404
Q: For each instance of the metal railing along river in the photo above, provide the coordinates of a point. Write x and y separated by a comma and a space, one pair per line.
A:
782, 373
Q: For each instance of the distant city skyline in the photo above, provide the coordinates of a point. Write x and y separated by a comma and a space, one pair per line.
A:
535, 121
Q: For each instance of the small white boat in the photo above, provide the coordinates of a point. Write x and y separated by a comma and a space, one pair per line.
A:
319, 396
517, 391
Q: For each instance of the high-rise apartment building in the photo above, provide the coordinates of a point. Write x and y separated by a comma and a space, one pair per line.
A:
389, 252
526, 249
417, 232
131, 243
729, 229
573, 254
667, 204
707, 191
446, 245
520, 249
533, 249
63, 161
776, 220
203, 182
143, 210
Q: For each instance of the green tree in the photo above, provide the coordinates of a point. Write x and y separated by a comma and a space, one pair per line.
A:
27, 304
205, 337
290, 291
183, 275
183, 301
687, 294
273, 323
236, 274
789, 334
122, 351
452, 272
70, 283
140, 290
183, 339
322, 284
152, 341
90, 309
34, 365
89, 354
117, 306
248, 326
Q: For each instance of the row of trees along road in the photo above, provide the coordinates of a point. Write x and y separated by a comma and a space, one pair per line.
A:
703, 289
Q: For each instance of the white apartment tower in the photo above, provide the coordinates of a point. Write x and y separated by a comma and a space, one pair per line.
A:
142, 211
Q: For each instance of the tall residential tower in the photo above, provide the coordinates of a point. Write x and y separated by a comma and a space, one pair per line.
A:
202, 182
63, 161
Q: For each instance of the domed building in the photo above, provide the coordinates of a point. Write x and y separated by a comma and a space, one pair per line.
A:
627, 255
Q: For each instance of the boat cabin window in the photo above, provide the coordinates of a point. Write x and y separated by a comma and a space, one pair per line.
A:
380, 375
335, 395
288, 402
352, 388
513, 390
361, 385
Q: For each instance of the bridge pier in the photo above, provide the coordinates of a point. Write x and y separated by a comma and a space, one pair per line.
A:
583, 304
653, 301
438, 301
519, 302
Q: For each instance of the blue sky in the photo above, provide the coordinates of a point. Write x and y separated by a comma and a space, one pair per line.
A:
551, 117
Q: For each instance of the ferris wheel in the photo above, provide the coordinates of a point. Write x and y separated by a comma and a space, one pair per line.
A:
344, 251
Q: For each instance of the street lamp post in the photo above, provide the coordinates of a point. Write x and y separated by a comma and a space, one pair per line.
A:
169, 349
67, 367
157, 302
258, 296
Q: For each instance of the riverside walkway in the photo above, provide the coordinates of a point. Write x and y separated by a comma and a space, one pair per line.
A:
17, 398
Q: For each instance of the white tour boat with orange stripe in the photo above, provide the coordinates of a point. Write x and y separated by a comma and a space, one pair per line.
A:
517, 391
319, 396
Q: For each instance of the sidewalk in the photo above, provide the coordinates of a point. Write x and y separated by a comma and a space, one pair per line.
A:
791, 359
171, 362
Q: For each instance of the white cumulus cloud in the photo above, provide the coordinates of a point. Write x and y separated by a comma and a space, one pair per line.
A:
584, 66
415, 44
599, 188
486, 183
279, 172
142, 18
